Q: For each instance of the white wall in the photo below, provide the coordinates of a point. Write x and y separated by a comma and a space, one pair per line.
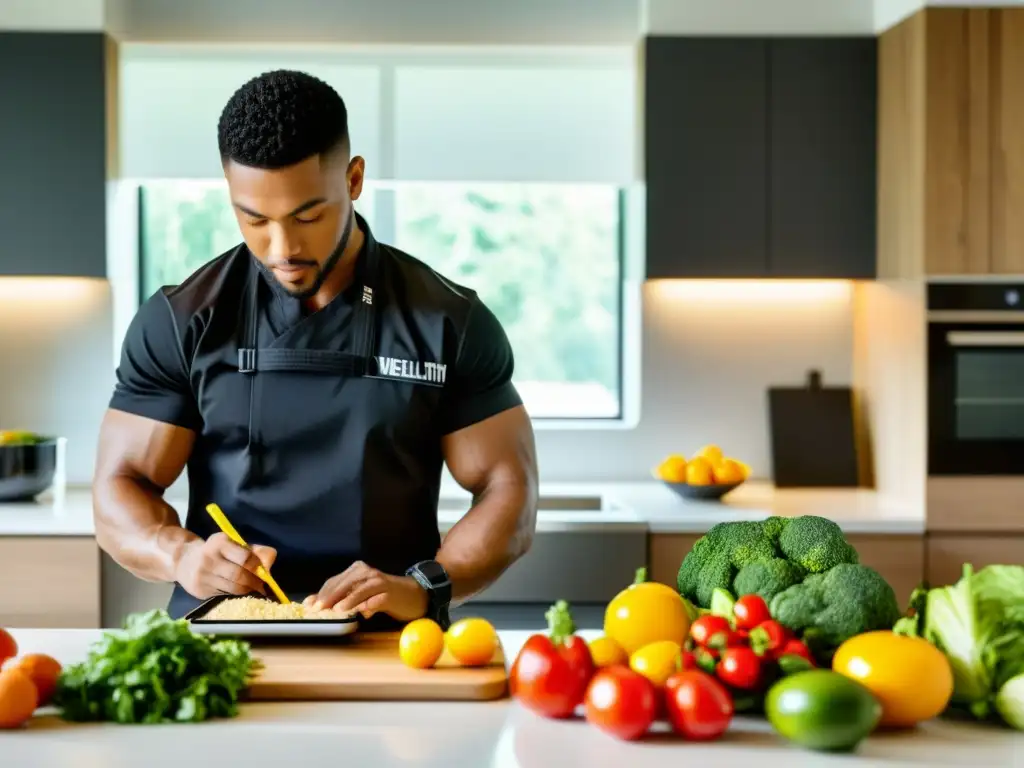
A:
56, 366
52, 15
757, 17
710, 350
445, 22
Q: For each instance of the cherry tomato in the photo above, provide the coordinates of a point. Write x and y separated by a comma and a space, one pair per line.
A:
749, 611
699, 707
740, 668
688, 661
768, 637
710, 630
797, 648
621, 702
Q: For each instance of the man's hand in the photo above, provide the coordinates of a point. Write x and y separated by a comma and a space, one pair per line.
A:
368, 591
219, 566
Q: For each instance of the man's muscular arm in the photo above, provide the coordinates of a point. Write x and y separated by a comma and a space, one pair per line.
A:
496, 461
138, 459
145, 442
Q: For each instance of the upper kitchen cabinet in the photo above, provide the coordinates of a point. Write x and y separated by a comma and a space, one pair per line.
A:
951, 163
706, 158
53, 139
760, 157
822, 137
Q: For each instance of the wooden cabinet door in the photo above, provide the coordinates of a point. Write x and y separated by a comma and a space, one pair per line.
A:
948, 553
49, 582
667, 551
706, 156
1006, 54
955, 136
898, 558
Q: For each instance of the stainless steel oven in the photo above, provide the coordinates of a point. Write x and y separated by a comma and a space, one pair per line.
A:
975, 379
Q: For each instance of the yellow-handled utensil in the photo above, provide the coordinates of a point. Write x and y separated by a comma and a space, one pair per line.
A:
225, 525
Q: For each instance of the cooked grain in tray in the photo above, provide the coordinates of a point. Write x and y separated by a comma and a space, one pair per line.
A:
259, 609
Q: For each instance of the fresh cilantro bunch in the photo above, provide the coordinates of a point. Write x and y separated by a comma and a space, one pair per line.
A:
156, 670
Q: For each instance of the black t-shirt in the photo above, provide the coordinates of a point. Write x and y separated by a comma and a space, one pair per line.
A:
154, 376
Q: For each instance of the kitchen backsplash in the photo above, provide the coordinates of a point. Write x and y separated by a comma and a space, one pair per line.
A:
710, 349
56, 361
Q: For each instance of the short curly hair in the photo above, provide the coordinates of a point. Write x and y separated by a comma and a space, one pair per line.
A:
280, 118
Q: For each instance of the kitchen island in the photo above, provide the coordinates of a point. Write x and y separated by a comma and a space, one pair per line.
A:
498, 734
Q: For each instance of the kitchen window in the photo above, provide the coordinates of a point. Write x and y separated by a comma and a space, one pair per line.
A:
547, 258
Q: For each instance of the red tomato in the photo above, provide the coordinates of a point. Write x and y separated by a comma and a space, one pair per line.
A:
740, 668
551, 673
621, 702
689, 661
797, 648
768, 637
709, 630
749, 611
699, 707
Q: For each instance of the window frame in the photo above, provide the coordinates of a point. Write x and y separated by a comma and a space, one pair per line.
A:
126, 258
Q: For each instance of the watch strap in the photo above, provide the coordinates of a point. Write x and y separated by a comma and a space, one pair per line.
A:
432, 576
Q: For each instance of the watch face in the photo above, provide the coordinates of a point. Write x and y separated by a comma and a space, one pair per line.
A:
433, 571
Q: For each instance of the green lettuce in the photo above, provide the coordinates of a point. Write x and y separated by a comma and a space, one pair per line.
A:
1010, 702
978, 623
156, 670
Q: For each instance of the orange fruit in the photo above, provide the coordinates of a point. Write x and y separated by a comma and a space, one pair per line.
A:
711, 452
673, 469
8, 648
472, 642
421, 643
43, 671
699, 472
728, 471
18, 698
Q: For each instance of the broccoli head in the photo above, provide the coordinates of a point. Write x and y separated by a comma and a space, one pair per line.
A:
816, 544
768, 578
773, 528
717, 555
840, 603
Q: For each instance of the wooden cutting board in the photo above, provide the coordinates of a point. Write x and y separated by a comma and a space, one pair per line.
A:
367, 667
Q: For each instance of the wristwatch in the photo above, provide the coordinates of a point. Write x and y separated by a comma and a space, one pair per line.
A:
432, 576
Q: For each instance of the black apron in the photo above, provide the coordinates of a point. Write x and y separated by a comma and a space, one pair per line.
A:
308, 446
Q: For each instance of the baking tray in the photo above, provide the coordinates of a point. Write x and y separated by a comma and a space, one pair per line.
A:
267, 627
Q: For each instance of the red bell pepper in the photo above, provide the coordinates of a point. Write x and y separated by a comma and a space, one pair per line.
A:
551, 673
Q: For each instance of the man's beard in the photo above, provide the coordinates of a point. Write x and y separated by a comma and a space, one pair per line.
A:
323, 272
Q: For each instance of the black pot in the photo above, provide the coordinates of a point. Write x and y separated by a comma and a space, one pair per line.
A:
27, 470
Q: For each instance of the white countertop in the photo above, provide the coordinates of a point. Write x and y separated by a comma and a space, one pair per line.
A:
497, 734
647, 505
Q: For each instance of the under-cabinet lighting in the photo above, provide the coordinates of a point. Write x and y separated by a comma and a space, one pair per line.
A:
751, 293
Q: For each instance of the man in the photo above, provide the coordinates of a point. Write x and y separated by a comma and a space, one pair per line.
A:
313, 381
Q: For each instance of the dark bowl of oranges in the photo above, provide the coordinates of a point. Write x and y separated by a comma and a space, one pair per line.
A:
707, 475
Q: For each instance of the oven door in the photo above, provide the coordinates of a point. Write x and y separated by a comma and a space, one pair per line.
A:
975, 398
